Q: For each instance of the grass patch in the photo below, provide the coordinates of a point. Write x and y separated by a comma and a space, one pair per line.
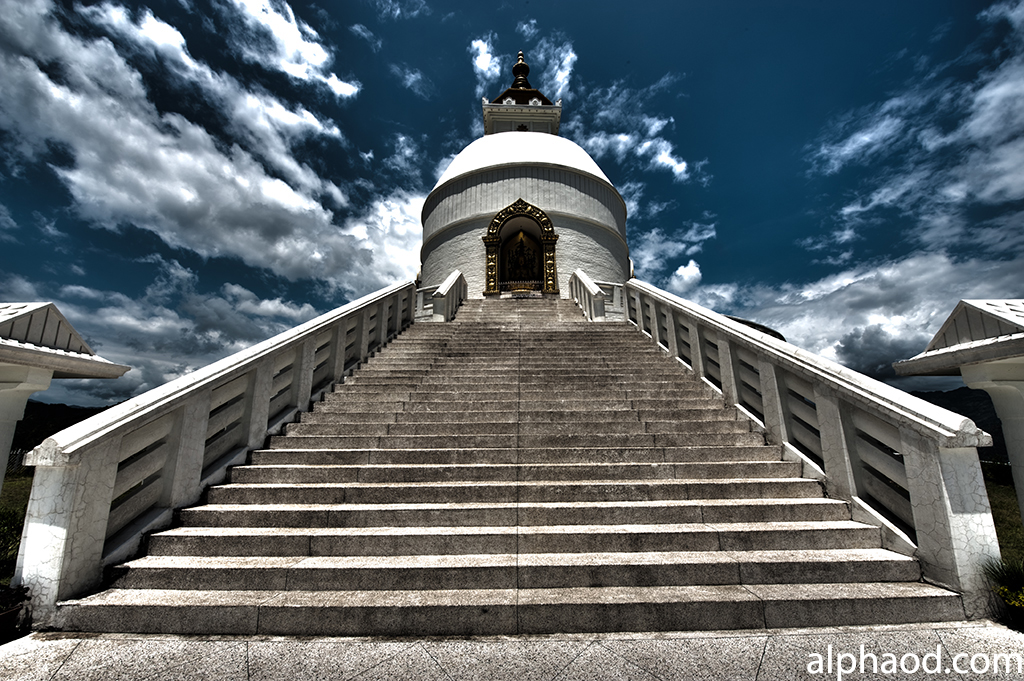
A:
1005, 510
1007, 575
13, 503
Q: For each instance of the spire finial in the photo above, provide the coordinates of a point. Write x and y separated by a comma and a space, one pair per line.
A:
521, 70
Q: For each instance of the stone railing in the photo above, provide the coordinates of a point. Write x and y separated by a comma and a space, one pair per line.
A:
587, 295
103, 483
425, 303
905, 465
449, 296
439, 303
600, 301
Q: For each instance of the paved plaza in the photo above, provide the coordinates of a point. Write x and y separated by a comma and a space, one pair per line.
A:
933, 649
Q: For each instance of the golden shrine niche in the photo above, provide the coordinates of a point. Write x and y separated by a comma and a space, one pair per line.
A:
520, 244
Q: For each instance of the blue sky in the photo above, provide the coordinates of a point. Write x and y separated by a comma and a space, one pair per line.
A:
187, 177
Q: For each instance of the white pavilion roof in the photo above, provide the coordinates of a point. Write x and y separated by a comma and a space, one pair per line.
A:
976, 331
37, 334
975, 320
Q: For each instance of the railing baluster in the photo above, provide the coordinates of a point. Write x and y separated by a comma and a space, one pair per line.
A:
730, 389
835, 432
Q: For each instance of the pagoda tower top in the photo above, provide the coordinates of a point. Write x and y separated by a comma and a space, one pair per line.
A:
521, 107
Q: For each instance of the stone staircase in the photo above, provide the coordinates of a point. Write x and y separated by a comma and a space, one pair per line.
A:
516, 471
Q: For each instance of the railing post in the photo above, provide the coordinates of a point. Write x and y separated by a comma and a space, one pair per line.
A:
835, 429
696, 349
397, 314
728, 372
261, 390
364, 334
187, 447
67, 510
656, 322
304, 378
952, 517
773, 401
673, 333
383, 321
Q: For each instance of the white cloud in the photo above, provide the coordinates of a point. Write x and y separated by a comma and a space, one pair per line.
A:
558, 59
939, 148
391, 228
613, 121
405, 158
7, 224
442, 166
401, 9
367, 35
413, 79
296, 51
168, 330
651, 252
684, 278
485, 66
859, 145
270, 126
527, 29
162, 172
869, 316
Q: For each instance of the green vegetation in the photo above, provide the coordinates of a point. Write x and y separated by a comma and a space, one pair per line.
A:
13, 502
1006, 514
1006, 575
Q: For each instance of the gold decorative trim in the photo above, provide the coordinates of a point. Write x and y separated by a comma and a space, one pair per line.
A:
492, 241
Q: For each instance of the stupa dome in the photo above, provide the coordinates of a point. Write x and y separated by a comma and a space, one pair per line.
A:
520, 209
517, 148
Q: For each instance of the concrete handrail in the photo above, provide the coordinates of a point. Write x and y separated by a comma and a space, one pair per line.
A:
449, 296
905, 465
101, 484
587, 295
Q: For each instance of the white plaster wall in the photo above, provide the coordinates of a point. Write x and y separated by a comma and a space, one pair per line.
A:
462, 249
552, 189
594, 248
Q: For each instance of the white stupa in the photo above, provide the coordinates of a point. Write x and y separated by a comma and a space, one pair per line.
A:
520, 209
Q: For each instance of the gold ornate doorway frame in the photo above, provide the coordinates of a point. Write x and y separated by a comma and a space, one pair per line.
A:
492, 241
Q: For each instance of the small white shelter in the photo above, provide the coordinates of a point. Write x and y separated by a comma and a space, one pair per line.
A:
37, 344
983, 342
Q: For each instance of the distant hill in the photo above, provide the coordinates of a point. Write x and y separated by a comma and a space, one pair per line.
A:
42, 420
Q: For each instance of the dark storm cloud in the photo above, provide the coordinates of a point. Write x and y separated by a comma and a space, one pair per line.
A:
872, 350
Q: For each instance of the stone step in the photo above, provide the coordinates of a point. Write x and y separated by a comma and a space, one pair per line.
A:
305, 474
512, 440
511, 455
490, 514
508, 491
466, 540
476, 612
527, 571
352, 427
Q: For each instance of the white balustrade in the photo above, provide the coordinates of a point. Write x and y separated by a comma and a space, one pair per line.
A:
101, 484
907, 466
425, 303
449, 296
588, 295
